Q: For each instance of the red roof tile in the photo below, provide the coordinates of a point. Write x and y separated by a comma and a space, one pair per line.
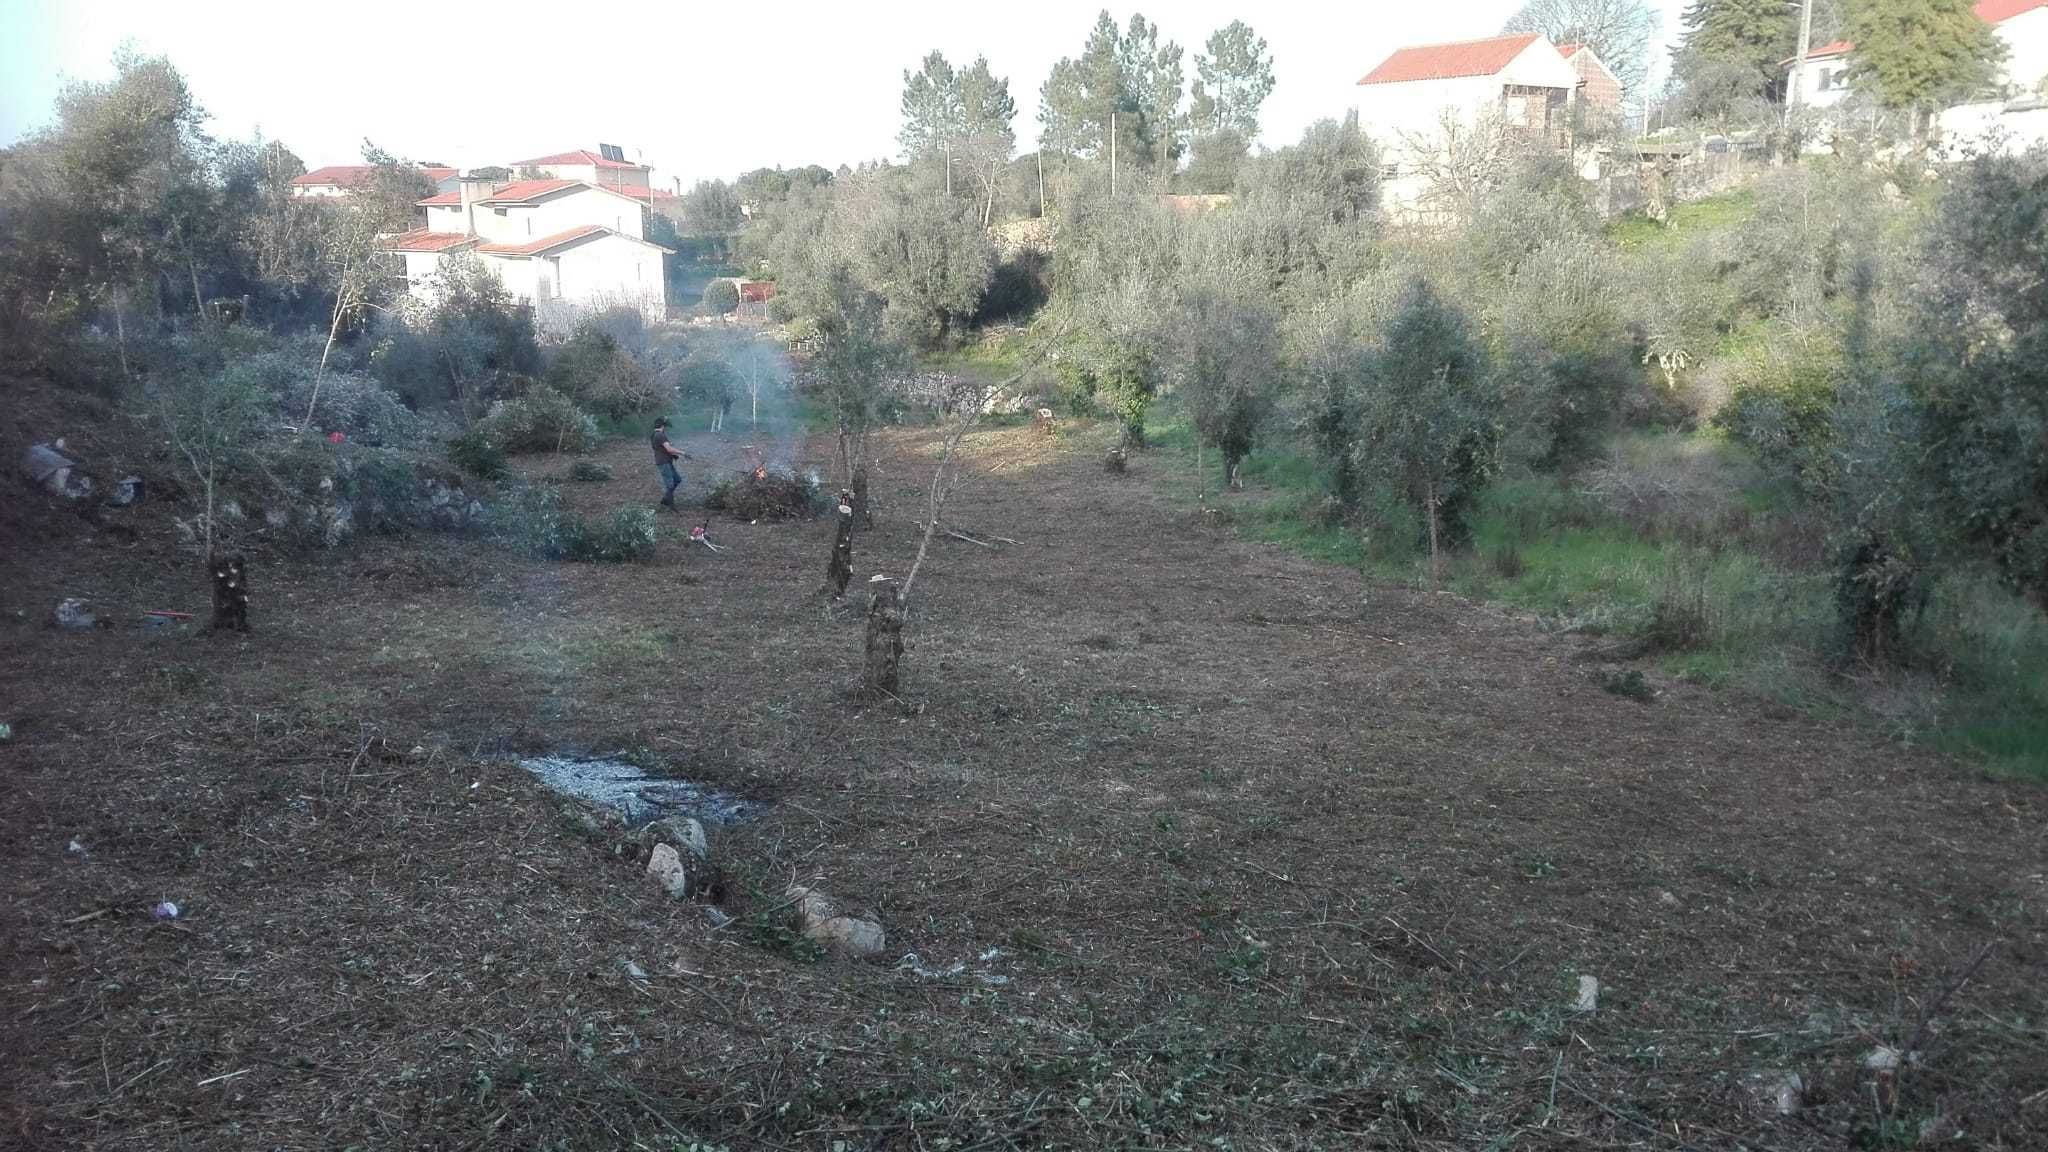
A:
1569, 50
444, 200
1829, 51
1448, 61
580, 156
1999, 11
536, 247
520, 191
350, 175
421, 240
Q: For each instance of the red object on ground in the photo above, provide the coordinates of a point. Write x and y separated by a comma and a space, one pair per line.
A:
335, 437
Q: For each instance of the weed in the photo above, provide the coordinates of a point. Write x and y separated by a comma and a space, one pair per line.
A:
1628, 684
590, 471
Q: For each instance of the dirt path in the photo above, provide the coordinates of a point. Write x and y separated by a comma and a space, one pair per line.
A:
1253, 854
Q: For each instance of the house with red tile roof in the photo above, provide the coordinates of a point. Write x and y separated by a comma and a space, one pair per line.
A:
2021, 25
594, 168
337, 180
1598, 87
1410, 101
564, 246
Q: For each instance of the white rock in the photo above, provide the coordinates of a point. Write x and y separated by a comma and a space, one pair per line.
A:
1885, 1058
812, 907
72, 613
1667, 899
848, 936
1778, 1090
1589, 994
666, 867
687, 834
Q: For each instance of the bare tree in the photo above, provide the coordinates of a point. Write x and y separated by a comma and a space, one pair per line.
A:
1463, 161
1620, 33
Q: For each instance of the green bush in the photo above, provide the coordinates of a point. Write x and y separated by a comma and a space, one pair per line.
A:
590, 471
720, 298
600, 377
543, 420
478, 455
531, 519
1781, 400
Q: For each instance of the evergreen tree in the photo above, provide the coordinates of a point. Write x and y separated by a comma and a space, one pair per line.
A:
1751, 38
1919, 54
1232, 81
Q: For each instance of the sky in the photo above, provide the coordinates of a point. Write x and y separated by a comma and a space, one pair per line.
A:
697, 90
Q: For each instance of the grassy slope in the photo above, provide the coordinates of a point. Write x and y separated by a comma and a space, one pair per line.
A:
1541, 548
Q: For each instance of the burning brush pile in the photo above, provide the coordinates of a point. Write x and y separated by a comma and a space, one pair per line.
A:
761, 494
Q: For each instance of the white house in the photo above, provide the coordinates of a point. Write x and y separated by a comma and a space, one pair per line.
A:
1598, 85
2021, 25
338, 180
605, 169
1403, 103
560, 245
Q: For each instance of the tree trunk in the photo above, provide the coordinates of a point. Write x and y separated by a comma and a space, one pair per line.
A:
333, 327
1436, 566
121, 329
840, 570
861, 508
885, 639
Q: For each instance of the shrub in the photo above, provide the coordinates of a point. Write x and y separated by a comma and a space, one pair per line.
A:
543, 420
1628, 684
590, 471
477, 455
721, 297
531, 519
593, 371
1781, 400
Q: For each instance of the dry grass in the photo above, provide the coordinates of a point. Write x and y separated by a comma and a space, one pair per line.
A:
1272, 860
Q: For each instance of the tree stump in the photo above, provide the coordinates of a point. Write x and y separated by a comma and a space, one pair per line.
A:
885, 636
1116, 461
230, 592
1043, 422
858, 498
840, 569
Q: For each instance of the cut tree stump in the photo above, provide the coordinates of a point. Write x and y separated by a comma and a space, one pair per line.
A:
230, 592
840, 569
885, 636
858, 498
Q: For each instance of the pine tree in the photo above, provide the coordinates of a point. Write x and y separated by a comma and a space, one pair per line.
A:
1755, 35
1919, 54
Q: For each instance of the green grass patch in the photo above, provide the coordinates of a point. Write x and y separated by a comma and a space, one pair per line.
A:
1725, 212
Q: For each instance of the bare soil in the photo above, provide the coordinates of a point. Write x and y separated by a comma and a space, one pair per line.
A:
1236, 851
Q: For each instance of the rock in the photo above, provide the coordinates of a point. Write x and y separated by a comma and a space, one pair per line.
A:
340, 522
1777, 1090
812, 907
277, 518
56, 471
73, 614
633, 971
1667, 899
848, 936
1885, 1058
231, 510
164, 911
687, 834
667, 868
127, 491
6, 732
1589, 994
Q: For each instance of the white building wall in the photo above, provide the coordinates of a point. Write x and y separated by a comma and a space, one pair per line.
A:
419, 272
1389, 111
1540, 65
611, 269
1826, 82
441, 219
2026, 46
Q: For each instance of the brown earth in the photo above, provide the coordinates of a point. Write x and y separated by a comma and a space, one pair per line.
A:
1259, 857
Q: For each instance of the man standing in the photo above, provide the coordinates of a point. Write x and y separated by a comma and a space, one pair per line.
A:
665, 457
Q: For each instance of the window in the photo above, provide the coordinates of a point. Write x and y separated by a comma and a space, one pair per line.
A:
499, 211
1827, 80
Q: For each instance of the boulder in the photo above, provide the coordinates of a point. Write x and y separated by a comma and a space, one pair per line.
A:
819, 920
687, 834
667, 869
848, 936
127, 492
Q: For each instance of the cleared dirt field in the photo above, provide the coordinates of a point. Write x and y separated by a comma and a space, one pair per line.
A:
1236, 853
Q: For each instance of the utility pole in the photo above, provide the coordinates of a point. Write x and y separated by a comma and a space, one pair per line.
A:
949, 166
1798, 95
1041, 180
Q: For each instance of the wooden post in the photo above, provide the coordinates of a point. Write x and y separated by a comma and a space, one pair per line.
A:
1112, 153
1041, 181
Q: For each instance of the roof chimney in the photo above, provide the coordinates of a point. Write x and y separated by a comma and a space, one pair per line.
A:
474, 190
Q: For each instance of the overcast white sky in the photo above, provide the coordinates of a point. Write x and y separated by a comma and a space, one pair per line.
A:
696, 89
